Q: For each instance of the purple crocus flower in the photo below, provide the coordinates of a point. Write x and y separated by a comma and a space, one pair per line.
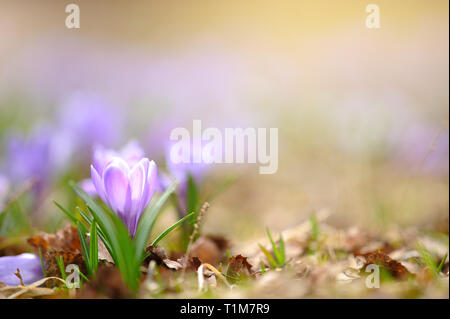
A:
29, 265
127, 189
131, 153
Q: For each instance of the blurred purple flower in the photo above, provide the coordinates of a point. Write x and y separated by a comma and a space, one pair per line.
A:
87, 120
29, 265
182, 171
424, 146
127, 189
29, 159
35, 160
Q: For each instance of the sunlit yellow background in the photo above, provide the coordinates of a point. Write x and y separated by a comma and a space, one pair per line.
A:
338, 92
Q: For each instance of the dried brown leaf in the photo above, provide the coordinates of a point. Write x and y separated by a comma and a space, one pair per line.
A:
159, 255
65, 239
239, 268
103, 253
209, 249
396, 269
107, 283
64, 243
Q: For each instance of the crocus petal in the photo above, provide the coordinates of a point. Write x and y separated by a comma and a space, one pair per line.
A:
28, 264
139, 181
117, 188
98, 183
151, 183
137, 178
102, 158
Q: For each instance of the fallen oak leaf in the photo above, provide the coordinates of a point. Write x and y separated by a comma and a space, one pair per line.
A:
159, 255
239, 263
64, 243
210, 249
396, 269
239, 268
66, 239
52, 267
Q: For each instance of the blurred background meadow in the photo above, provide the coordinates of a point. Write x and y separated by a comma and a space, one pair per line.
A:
362, 113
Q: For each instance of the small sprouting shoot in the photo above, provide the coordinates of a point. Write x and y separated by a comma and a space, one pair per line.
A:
278, 258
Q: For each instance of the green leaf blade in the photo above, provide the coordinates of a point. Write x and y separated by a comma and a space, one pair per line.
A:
84, 247
147, 220
171, 228
274, 248
93, 248
269, 257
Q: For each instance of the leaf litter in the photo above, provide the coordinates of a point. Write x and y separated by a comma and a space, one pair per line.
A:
319, 260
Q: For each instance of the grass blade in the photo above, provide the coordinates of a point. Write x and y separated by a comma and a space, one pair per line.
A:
441, 265
89, 220
93, 248
44, 271
274, 248
263, 267
269, 257
60, 262
102, 218
168, 230
428, 259
146, 223
84, 248
192, 198
71, 216
315, 232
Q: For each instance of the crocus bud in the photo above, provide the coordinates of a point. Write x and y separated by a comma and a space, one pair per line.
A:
29, 265
127, 189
